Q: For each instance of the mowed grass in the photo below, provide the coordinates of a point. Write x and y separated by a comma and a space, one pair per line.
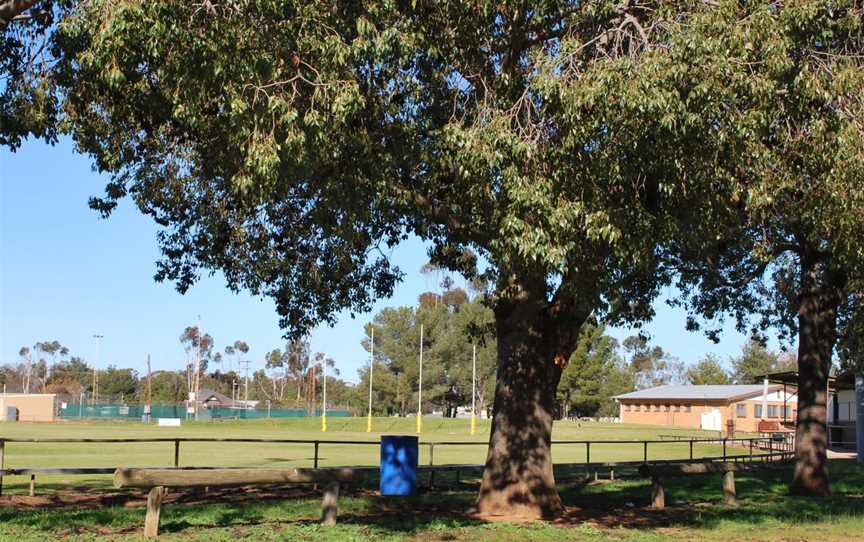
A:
597, 511
248, 454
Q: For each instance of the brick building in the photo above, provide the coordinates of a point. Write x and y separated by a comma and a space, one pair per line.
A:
28, 407
710, 407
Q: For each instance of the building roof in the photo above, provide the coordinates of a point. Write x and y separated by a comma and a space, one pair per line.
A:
205, 395
843, 381
710, 391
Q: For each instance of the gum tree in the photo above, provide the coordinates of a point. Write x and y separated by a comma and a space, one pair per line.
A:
780, 87
290, 145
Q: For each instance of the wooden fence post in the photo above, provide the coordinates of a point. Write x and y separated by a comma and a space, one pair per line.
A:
2, 462
724, 449
32, 485
729, 487
431, 464
658, 497
315, 464
691, 449
154, 507
587, 453
176, 454
645, 454
329, 507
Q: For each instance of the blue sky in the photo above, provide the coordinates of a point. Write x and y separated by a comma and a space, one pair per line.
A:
67, 274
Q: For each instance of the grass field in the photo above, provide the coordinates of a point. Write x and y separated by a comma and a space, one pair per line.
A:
84, 508
203, 454
596, 512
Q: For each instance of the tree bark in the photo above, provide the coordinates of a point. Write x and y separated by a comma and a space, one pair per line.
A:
821, 294
13, 8
518, 480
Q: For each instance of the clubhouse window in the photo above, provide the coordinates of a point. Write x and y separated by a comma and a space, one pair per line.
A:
773, 411
741, 410
757, 411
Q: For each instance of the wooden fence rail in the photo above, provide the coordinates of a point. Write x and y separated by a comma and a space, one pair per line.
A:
757, 443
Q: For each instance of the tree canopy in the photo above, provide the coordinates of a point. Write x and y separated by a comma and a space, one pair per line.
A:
781, 88
708, 370
595, 373
574, 156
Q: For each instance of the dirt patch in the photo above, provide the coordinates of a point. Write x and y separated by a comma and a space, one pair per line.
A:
138, 498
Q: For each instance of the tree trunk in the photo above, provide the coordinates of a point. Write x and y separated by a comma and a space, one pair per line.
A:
518, 480
821, 291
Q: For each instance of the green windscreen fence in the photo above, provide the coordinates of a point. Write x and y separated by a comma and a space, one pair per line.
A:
136, 412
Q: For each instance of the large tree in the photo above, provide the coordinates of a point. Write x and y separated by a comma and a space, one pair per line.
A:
780, 87
756, 361
594, 374
651, 365
290, 144
708, 370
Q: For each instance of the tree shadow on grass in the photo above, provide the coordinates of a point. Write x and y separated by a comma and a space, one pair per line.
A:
406, 516
697, 501
692, 502
65, 514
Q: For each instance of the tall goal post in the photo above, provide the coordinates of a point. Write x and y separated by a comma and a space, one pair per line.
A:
420, 389
371, 367
473, 388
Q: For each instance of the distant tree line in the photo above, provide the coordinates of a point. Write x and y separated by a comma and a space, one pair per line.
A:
453, 323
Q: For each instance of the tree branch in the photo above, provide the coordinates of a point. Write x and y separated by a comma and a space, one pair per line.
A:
10, 9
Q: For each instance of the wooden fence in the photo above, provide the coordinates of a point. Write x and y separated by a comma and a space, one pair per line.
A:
758, 449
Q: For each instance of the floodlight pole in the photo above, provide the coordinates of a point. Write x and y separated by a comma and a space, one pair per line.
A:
324, 397
420, 389
371, 366
473, 388
95, 393
245, 364
197, 380
149, 406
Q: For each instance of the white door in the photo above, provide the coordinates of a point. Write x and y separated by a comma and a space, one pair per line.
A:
711, 420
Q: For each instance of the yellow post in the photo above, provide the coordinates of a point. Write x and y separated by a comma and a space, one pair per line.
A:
371, 367
473, 388
324, 399
420, 390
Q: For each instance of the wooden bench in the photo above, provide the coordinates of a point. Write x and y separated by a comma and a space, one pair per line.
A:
658, 473
158, 480
33, 471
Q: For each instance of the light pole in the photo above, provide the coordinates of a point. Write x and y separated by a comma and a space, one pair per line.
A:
371, 367
420, 390
197, 379
473, 388
245, 363
95, 393
324, 397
